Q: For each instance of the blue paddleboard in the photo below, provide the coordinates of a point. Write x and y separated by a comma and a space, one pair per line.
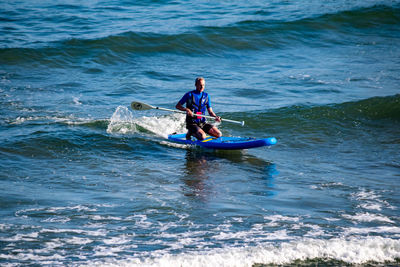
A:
228, 143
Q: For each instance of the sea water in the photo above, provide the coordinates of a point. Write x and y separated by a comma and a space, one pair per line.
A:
87, 181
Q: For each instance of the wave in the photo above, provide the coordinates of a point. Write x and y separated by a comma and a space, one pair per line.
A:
327, 29
368, 116
123, 130
71, 135
376, 109
321, 30
371, 111
308, 252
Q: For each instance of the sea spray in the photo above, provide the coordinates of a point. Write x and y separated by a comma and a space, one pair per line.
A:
122, 121
349, 251
164, 125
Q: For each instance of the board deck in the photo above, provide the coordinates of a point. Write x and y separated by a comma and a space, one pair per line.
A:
224, 142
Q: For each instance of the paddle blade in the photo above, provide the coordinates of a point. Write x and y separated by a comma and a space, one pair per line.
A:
140, 106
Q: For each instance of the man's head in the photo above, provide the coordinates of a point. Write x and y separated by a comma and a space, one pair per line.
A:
200, 84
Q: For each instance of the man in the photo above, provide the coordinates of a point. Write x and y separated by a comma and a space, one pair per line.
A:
197, 101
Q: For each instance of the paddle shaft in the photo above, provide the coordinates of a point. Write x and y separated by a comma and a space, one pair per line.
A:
200, 115
142, 106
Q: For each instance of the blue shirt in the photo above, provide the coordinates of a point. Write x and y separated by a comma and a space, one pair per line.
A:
197, 97
201, 102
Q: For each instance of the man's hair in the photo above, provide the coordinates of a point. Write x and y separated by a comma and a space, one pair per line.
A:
198, 79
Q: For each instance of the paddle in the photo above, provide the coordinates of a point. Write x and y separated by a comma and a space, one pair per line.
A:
143, 106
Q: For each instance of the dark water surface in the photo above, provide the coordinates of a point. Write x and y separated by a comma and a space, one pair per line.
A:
85, 180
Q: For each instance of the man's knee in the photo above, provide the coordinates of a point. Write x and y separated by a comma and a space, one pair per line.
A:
215, 132
201, 135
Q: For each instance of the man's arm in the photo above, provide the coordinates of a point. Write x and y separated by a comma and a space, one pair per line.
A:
182, 108
211, 112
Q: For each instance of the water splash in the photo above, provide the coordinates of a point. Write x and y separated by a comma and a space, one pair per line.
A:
122, 121
353, 251
164, 125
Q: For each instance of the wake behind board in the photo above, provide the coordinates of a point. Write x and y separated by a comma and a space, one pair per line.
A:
227, 143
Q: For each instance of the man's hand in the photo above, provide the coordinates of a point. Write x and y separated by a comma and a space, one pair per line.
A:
182, 108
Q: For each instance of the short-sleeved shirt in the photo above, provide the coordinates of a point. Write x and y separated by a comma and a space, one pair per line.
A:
199, 98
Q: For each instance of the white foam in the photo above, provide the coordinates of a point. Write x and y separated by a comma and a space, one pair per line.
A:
70, 119
165, 226
141, 220
276, 219
368, 217
99, 232
5, 226
21, 237
118, 240
371, 230
370, 206
101, 251
237, 219
34, 257
364, 195
355, 251
123, 122
76, 100
107, 218
171, 144
55, 210
254, 235
370, 200
55, 243
332, 219
20, 120
78, 241
316, 231
106, 205
163, 126
183, 235
279, 235
57, 219
326, 185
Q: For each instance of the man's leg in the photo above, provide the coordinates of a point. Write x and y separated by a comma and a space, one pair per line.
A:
200, 134
196, 131
212, 130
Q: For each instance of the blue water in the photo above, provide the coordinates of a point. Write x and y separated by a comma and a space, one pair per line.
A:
86, 180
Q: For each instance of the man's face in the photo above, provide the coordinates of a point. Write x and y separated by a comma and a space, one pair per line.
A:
200, 85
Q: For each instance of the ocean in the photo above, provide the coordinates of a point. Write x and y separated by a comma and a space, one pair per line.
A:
87, 181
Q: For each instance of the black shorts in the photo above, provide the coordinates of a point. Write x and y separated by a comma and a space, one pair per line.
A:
194, 128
